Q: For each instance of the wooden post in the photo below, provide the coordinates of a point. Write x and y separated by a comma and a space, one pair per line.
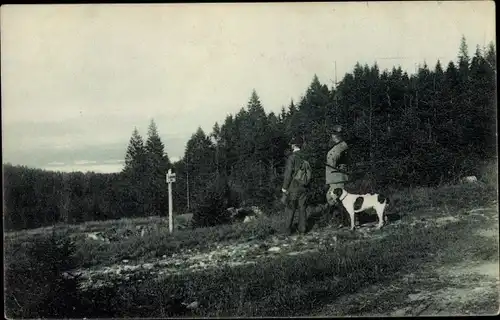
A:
187, 179
170, 218
170, 180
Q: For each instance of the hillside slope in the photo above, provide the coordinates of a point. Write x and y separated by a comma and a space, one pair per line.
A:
438, 254
459, 277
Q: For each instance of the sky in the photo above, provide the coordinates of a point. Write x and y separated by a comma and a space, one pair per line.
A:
77, 79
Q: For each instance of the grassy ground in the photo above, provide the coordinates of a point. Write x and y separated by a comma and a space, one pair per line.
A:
295, 286
158, 242
284, 286
460, 278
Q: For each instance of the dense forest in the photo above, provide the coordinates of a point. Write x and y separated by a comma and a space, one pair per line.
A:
404, 130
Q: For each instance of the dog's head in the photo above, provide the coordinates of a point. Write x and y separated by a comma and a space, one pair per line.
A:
338, 192
381, 199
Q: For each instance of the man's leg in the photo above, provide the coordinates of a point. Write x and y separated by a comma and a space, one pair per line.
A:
302, 201
290, 210
340, 214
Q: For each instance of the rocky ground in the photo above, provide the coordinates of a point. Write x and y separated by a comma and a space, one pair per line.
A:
470, 286
232, 254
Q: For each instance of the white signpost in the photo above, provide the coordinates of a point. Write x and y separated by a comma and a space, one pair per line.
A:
170, 180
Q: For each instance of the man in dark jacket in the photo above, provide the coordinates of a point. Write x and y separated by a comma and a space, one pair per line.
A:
294, 194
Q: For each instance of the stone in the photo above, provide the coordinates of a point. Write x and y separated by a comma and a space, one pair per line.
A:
469, 179
256, 210
249, 219
193, 305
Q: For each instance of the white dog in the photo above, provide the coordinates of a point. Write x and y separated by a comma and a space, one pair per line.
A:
354, 203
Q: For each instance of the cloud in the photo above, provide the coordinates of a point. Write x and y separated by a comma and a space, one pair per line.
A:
76, 80
97, 168
114, 161
174, 159
37, 143
55, 163
84, 162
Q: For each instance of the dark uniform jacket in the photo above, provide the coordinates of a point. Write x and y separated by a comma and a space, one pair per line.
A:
292, 166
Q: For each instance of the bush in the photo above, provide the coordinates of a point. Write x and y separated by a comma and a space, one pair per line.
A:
210, 207
488, 173
34, 283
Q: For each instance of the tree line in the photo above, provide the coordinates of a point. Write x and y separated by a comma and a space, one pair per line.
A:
35, 197
404, 130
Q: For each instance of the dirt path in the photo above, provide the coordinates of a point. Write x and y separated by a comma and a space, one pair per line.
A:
463, 280
231, 254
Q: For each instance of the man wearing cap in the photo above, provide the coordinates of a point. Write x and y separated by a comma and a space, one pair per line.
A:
294, 194
336, 175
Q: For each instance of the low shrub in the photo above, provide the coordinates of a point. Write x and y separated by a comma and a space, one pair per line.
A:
34, 283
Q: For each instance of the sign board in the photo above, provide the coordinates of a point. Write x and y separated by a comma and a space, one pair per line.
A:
170, 177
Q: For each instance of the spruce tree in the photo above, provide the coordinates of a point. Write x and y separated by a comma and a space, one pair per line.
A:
157, 166
200, 164
134, 185
136, 155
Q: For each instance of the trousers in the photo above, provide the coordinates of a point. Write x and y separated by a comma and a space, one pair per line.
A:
297, 203
339, 212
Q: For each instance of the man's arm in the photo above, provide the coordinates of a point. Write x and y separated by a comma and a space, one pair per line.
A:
288, 173
334, 154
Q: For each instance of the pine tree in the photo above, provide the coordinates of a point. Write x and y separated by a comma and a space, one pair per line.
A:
200, 164
292, 121
482, 111
258, 136
155, 149
134, 188
216, 132
158, 164
436, 98
229, 149
463, 58
258, 129
254, 106
491, 56
282, 115
218, 143
136, 154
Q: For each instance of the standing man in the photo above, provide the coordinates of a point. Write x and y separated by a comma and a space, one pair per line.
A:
337, 161
296, 180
